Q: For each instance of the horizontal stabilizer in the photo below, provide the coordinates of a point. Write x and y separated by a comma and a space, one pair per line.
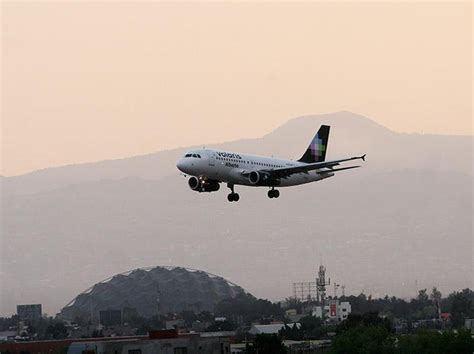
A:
338, 169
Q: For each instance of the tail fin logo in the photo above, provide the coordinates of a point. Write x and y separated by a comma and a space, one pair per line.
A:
316, 151
317, 147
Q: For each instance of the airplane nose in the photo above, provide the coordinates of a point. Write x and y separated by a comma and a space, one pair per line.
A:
180, 165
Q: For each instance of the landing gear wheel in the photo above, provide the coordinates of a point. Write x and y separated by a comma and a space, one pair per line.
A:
233, 197
273, 193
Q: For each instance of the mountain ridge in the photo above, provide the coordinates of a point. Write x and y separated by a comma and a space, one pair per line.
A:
351, 134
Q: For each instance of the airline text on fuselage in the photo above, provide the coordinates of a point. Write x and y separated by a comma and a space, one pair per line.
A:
229, 155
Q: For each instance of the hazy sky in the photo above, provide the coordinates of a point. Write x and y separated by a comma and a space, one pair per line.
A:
96, 80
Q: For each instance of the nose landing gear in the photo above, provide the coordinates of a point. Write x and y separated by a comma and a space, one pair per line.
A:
273, 193
232, 197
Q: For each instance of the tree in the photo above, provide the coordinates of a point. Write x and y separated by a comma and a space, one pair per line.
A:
435, 295
267, 344
312, 327
249, 307
294, 303
292, 332
366, 319
56, 331
188, 316
221, 326
431, 342
7, 322
462, 306
422, 295
367, 339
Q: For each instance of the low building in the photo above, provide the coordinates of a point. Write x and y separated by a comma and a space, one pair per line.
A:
158, 342
179, 344
273, 328
334, 311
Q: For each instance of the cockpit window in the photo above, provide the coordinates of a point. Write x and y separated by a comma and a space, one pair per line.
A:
193, 155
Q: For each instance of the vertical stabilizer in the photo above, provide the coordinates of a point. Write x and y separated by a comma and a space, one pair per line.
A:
316, 151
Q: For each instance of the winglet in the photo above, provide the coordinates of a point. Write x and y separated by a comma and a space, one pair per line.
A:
363, 157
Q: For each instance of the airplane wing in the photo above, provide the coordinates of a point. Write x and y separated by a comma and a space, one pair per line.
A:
285, 172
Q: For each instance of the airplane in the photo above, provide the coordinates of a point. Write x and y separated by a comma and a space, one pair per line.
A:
208, 168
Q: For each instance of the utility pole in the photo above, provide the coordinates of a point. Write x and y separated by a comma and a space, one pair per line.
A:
336, 286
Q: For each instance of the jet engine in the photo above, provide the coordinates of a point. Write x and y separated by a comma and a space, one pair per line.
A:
254, 177
203, 185
262, 179
193, 183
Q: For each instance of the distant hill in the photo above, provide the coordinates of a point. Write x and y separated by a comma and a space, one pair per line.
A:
350, 134
405, 216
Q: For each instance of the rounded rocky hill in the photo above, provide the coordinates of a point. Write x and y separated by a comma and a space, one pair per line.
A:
151, 291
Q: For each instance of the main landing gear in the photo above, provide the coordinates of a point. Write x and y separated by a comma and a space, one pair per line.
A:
232, 197
273, 193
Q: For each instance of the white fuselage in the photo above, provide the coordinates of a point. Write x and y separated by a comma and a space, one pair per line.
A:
233, 168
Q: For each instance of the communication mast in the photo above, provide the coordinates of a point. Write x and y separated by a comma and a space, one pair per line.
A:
321, 283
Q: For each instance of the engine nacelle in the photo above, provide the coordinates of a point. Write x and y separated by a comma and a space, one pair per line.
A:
203, 185
193, 183
262, 179
255, 177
